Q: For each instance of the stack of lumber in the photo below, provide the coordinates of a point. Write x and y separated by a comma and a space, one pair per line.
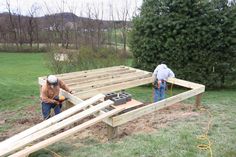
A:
18, 145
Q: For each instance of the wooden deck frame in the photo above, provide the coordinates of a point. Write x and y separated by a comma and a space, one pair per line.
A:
104, 87
113, 81
92, 82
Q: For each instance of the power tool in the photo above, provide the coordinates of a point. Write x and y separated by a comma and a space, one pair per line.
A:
60, 98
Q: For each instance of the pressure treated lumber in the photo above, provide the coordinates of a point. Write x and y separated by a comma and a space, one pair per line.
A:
97, 75
90, 72
102, 78
198, 100
51, 121
98, 84
129, 104
110, 84
53, 128
65, 134
111, 132
111, 88
82, 74
184, 83
89, 79
124, 118
70, 97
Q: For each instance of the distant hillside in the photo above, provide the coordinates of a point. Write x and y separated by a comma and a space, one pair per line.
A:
65, 18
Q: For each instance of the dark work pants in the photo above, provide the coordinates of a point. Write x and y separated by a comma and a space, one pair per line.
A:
46, 109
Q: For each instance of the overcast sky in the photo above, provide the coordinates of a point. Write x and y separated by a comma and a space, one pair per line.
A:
80, 7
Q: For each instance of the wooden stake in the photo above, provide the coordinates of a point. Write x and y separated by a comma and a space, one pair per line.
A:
198, 100
112, 132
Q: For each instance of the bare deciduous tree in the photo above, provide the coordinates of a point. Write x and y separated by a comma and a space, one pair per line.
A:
123, 15
33, 25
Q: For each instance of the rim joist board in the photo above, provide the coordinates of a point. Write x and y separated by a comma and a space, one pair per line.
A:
195, 90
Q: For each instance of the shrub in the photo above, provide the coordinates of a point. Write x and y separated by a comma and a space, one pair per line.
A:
195, 38
83, 59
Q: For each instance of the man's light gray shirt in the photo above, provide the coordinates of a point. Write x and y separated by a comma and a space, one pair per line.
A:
162, 72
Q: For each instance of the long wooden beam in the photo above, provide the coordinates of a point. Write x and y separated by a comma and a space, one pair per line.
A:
88, 72
65, 134
50, 121
114, 81
116, 87
184, 83
91, 71
131, 115
73, 99
98, 76
103, 79
53, 128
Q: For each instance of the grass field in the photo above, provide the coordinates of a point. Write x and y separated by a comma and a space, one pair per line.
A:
19, 79
18, 84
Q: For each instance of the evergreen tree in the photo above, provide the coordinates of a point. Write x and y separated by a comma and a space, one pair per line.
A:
196, 38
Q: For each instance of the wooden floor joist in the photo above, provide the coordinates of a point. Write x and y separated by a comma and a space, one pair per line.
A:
88, 73
111, 88
91, 82
53, 120
65, 134
55, 127
94, 85
114, 79
89, 79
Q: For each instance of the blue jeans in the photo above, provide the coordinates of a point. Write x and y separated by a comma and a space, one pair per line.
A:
159, 93
46, 109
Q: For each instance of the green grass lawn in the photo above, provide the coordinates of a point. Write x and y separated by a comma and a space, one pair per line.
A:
19, 88
19, 79
176, 140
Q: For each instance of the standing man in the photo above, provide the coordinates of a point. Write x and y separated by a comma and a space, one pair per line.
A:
50, 95
160, 75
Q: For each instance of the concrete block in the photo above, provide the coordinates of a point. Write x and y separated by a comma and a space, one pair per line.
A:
110, 96
127, 95
119, 100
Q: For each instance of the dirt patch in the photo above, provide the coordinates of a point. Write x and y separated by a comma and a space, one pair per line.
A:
147, 123
20, 120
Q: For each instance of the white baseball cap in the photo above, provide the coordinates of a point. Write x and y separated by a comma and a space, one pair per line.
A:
52, 79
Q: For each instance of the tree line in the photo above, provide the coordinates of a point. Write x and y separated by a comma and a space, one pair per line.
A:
196, 38
65, 29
